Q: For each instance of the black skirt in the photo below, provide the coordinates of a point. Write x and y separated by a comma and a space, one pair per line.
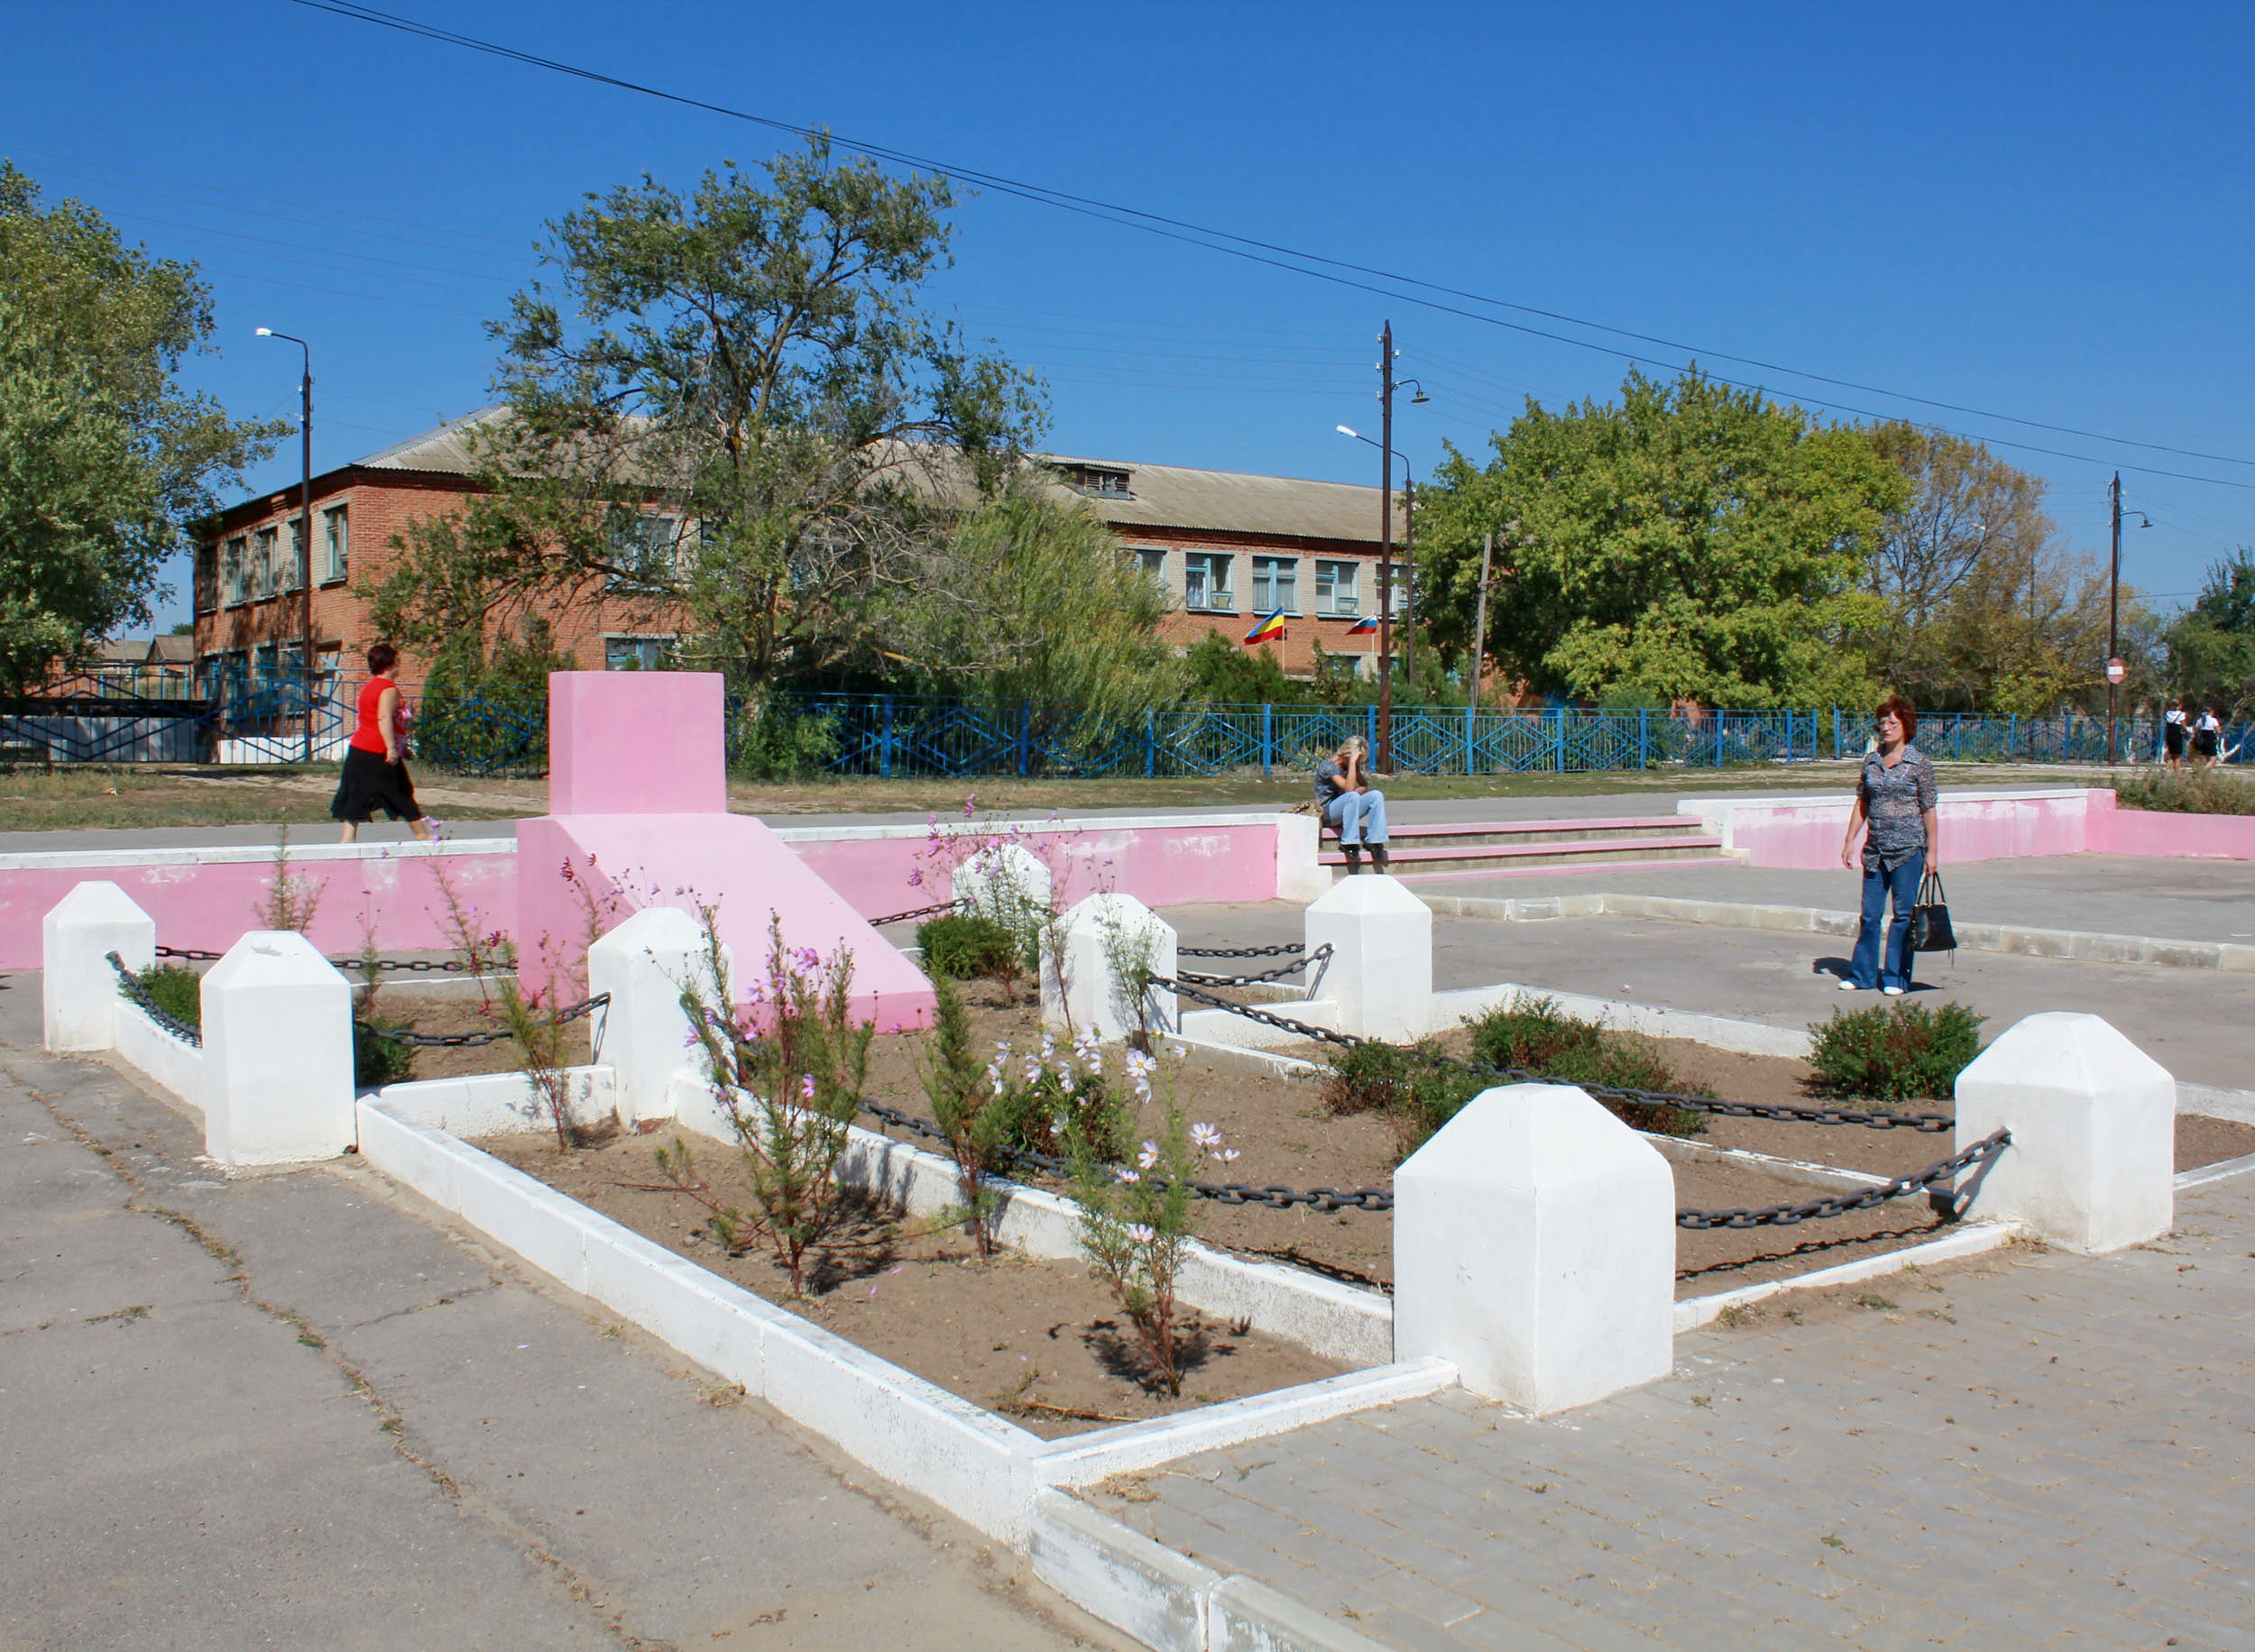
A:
369, 784
2173, 738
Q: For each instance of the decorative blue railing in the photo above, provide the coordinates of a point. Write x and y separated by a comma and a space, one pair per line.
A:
278, 719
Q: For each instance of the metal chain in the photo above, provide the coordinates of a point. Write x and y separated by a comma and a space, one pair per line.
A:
1319, 956
131, 986
416, 966
1777, 1112
1280, 950
189, 953
1865, 1198
921, 912
460, 1041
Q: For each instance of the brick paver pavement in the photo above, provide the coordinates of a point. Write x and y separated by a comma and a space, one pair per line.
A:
2029, 1450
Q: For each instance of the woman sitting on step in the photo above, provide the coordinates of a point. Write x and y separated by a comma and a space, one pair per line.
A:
1342, 791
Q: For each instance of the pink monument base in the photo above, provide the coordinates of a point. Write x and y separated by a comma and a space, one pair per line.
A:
639, 784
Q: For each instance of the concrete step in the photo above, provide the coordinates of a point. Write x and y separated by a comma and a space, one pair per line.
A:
1537, 831
1409, 857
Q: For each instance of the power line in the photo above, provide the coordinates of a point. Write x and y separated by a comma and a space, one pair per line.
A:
1276, 254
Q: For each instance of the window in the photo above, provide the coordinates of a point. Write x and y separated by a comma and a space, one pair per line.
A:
648, 549
1335, 588
335, 545
231, 572
286, 576
1275, 585
1154, 563
1399, 602
1099, 479
635, 653
1206, 582
207, 594
1343, 666
262, 563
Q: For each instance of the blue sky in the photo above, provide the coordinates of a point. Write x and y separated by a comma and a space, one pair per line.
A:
2035, 210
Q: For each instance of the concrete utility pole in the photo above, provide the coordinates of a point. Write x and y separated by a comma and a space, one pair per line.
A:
305, 524
1479, 621
1385, 757
2114, 616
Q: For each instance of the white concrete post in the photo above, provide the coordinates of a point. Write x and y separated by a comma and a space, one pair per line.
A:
2092, 1162
78, 986
1100, 933
1534, 1244
1381, 973
278, 1053
647, 1038
1301, 874
1007, 883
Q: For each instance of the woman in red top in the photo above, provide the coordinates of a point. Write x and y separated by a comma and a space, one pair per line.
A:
374, 775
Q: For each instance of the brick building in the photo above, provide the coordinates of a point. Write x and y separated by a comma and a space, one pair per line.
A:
1230, 547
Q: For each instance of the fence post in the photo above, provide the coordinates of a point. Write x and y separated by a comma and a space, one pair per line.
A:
1468, 742
1025, 734
885, 749
1644, 737
78, 986
1268, 740
1719, 716
1371, 739
1150, 743
1558, 739
278, 1053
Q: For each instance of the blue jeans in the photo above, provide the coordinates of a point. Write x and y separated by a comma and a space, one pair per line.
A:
1901, 886
1360, 817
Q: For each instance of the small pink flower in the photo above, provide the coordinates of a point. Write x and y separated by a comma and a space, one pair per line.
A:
806, 1087
1140, 1234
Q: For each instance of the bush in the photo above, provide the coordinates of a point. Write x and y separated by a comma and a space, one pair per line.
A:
378, 1061
1408, 1086
965, 946
2187, 791
776, 742
1899, 1052
1534, 1033
178, 992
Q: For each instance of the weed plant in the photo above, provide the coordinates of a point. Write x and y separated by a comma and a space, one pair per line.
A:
2187, 791
1901, 1052
968, 946
176, 991
291, 902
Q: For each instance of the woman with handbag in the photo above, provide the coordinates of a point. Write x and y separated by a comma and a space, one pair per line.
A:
1895, 796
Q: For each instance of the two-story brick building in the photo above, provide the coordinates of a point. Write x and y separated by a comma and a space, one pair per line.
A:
1230, 547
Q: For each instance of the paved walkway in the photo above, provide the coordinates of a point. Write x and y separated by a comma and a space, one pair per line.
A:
296, 1411
2193, 1022
2036, 1450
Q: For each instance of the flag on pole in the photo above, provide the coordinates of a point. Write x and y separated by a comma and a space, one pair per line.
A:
1271, 629
1368, 622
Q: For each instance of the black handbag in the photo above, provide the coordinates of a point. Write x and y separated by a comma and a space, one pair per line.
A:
1931, 929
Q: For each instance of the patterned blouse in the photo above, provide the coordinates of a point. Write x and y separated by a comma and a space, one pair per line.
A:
1895, 801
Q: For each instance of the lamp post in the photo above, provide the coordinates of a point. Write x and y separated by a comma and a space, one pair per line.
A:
305, 521
2115, 670
1387, 385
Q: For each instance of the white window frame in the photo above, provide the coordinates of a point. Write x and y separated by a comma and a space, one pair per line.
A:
1152, 560
1269, 575
337, 531
286, 576
233, 551
263, 543
649, 527
1209, 572
1328, 596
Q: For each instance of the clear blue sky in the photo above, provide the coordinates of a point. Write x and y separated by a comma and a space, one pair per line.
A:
2038, 210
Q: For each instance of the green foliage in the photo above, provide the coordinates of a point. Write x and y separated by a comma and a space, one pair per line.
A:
1222, 671
104, 462
468, 684
1408, 1087
2211, 644
378, 1061
965, 946
1901, 1052
178, 991
292, 901
1691, 541
775, 740
2187, 791
977, 1117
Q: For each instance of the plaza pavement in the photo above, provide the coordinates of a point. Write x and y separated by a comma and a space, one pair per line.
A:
300, 1410
2031, 1450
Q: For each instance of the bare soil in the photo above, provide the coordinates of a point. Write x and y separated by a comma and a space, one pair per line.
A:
1040, 1343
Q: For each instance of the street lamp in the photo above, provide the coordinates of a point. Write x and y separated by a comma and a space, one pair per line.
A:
1387, 385
1409, 552
305, 519
2115, 670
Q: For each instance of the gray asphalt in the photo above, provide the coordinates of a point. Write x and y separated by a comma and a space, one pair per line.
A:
2192, 1021
298, 1410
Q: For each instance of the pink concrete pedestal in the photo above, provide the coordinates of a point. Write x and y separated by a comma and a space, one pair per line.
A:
638, 782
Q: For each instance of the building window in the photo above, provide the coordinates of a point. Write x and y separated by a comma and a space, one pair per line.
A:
1275, 585
635, 653
1097, 480
335, 545
1344, 666
262, 563
1153, 562
1398, 603
286, 576
1206, 582
207, 594
645, 551
1335, 588
231, 572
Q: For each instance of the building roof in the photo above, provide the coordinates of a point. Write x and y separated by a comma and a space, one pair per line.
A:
1157, 496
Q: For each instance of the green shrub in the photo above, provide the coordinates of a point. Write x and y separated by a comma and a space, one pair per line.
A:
378, 1061
1408, 1087
1534, 1033
1894, 1053
965, 946
2187, 791
777, 741
178, 991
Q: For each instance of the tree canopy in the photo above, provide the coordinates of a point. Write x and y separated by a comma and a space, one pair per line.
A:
2211, 644
105, 461
1692, 541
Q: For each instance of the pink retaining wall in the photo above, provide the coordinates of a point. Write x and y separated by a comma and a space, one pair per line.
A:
2190, 837
1805, 833
208, 898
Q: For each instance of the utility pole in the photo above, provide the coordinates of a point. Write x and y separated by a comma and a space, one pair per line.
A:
1479, 621
1386, 549
1409, 576
2114, 616
305, 524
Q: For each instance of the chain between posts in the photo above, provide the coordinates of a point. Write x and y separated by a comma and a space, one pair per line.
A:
462, 1041
130, 984
413, 966
921, 912
1319, 959
1282, 949
1981, 1154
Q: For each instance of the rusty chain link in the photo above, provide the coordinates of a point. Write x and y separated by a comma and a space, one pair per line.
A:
1981, 1153
921, 912
131, 986
413, 966
462, 1041
1283, 950
1319, 958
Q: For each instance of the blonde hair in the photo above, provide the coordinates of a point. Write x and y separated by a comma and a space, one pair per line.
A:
1355, 745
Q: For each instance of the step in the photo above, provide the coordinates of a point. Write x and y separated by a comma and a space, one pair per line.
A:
1424, 874
1651, 828
1560, 853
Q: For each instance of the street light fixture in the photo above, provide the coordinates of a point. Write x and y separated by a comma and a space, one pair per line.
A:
2115, 670
305, 519
1409, 554
1387, 385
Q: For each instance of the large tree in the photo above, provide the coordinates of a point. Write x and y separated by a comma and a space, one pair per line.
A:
2211, 644
1692, 541
105, 461
728, 407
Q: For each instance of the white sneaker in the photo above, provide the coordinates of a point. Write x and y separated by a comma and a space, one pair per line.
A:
1893, 992
1848, 986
